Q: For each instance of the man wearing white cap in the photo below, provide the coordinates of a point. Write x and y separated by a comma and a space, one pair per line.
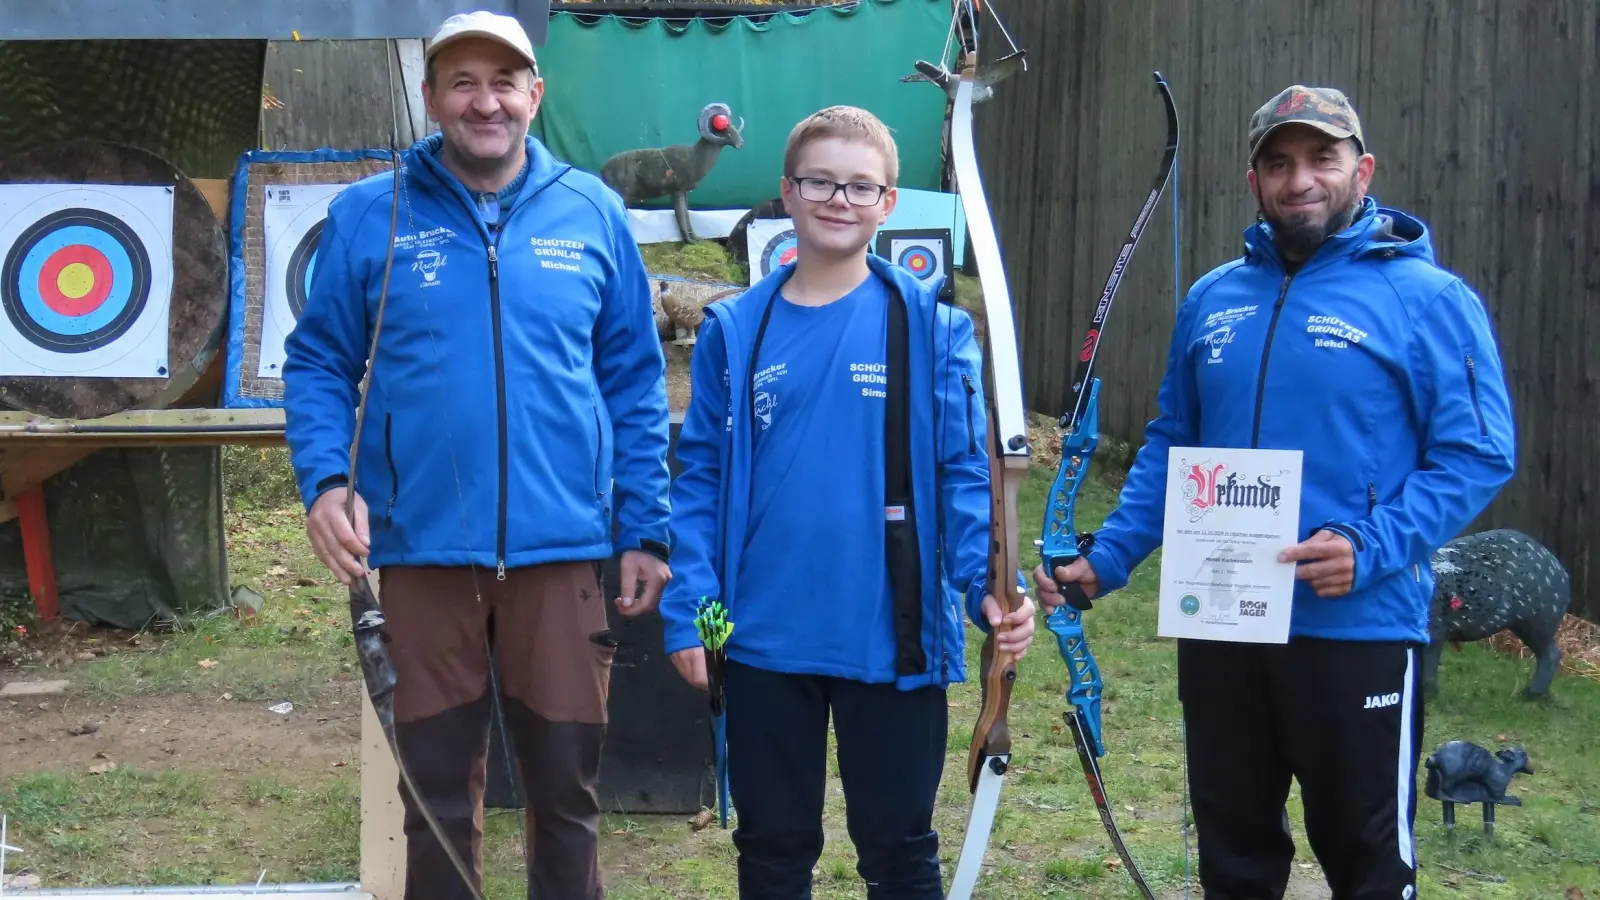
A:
517, 404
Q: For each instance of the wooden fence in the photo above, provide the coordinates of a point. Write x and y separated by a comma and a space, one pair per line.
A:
1484, 117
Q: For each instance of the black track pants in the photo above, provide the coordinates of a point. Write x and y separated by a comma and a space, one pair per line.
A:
1342, 718
891, 747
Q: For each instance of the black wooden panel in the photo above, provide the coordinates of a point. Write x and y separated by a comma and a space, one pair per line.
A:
658, 755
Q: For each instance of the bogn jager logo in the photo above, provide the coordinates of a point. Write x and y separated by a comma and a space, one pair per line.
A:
1207, 486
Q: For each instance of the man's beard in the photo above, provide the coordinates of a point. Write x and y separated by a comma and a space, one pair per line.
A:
1300, 237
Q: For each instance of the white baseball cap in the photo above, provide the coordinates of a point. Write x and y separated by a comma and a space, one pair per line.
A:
493, 26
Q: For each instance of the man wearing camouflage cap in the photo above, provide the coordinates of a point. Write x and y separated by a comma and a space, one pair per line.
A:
1337, 334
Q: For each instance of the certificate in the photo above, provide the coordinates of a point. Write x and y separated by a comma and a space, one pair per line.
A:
1229, 513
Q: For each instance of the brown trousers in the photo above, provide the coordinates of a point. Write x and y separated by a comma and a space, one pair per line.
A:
554, 651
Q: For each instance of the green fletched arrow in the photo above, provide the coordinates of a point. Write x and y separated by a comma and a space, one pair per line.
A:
711, 620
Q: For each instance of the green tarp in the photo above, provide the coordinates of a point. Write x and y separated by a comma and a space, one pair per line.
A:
616, 85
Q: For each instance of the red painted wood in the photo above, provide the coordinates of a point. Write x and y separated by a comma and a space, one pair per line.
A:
36, 553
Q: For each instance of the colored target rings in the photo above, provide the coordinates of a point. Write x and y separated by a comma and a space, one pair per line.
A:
780, 251
302, 265
919, 261
75, 280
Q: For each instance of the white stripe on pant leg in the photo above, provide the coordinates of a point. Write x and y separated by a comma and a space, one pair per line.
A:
1405, 779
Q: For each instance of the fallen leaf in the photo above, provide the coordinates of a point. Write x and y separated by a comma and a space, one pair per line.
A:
278, 570
208, 664
1574, 893
102, 768
228, 696
340, 764
1113, 863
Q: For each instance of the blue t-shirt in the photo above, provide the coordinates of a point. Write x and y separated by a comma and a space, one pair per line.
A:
813, 563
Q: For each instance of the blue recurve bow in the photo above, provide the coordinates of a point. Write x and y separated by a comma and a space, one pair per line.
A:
1059, 545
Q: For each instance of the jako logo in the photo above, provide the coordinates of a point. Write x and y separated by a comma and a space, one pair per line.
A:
1205, 488
1378, 701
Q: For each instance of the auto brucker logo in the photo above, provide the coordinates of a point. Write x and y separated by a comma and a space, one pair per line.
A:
1209, 486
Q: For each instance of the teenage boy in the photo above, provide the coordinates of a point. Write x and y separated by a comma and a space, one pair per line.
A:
834, 496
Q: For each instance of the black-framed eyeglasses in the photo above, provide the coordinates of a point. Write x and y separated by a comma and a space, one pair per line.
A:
822, 190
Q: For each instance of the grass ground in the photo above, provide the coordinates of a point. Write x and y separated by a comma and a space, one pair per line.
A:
187, 777
172, 761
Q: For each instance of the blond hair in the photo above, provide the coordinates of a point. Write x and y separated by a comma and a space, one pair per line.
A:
848, 122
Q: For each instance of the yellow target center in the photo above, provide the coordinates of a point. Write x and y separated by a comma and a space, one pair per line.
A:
75, 280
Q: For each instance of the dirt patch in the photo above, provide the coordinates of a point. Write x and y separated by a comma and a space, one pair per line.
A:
73, 734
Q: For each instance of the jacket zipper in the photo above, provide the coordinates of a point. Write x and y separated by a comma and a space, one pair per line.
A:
500, 397
1266, 352
972, 436
394, 472
1372, 497
599, 447
499, 353
1472, 382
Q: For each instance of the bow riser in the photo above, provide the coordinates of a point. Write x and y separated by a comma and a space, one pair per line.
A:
1059, 546
1083, 673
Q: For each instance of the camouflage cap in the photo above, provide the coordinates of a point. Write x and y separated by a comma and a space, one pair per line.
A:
1326, 109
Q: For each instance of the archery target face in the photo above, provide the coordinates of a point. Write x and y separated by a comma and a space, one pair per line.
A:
292, 220
85, 280
771, 245
920, 253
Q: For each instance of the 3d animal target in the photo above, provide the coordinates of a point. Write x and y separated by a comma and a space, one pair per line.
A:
86, 275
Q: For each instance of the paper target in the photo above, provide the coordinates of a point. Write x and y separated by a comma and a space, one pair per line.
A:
924, 252
292, 219
771, 245
85, 280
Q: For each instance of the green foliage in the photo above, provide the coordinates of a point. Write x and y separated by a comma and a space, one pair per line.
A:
258, 477
16, 611
708, 260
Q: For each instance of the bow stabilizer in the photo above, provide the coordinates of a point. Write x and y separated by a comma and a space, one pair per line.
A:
1059, 546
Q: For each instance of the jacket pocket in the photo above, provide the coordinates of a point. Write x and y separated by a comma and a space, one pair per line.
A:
1477, 408
602, 468
394, 471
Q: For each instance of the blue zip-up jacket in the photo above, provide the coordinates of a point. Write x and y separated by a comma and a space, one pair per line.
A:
949, 470
517, 372
1376, 363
